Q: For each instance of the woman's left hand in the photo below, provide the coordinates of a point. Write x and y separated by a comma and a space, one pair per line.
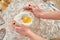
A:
21, 29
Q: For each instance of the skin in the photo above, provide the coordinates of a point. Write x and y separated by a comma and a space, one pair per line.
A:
55, 15
22, 29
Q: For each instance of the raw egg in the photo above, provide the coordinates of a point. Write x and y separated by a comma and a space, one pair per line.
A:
24, 17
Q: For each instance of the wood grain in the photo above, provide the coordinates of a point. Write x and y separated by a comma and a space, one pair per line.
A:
4, 4
57, 2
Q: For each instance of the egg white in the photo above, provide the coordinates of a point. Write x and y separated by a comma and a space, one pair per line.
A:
19, 16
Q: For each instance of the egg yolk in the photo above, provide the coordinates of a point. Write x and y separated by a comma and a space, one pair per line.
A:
26, 19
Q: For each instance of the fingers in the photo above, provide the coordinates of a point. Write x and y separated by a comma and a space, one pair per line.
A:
17, 27
31, 7
28, 7
15, 23
20, 28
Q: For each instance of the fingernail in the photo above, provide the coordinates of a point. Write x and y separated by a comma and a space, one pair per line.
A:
13, 23
29, 5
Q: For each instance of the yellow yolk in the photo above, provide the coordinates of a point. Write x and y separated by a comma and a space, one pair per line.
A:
26, 19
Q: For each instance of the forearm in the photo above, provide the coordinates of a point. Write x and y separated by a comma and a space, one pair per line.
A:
34, 36
50, 15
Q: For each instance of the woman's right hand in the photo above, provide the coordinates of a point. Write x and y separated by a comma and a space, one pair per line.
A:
55, 15
35, 9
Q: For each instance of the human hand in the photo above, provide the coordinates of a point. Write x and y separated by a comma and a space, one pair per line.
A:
21, 29
33, 8
44, 15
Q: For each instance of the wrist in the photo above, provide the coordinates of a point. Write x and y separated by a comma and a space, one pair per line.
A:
39, 14
34, 36
29, 34
42, 14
